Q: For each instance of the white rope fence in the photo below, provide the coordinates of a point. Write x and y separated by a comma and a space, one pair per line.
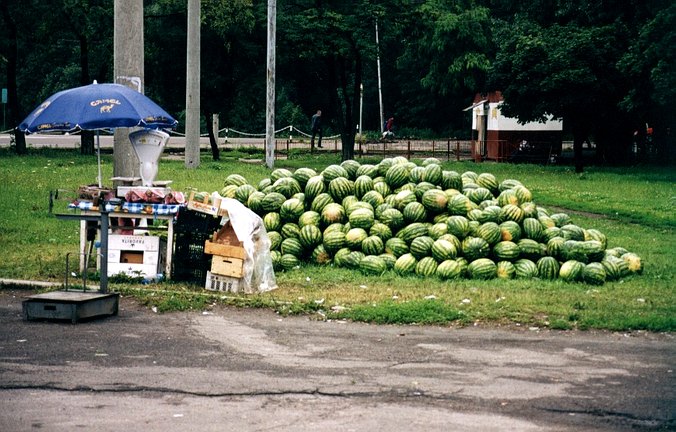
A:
290, 128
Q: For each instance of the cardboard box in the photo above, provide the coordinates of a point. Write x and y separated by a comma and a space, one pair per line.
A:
227, 266
222, 283
205, 206
135, 255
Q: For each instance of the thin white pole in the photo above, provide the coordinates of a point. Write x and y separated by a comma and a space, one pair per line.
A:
361, 107
270, 98
380, 84
192, 87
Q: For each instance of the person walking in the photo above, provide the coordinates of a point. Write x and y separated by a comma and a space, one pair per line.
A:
316, 127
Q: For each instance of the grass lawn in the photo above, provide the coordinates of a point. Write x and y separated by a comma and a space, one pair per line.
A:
633, 206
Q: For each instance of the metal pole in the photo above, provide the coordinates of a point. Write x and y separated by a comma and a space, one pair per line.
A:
380, 84
270, 98
192, 87
361, 110
98, 157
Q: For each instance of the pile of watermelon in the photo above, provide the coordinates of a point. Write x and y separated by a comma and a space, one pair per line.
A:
423, 220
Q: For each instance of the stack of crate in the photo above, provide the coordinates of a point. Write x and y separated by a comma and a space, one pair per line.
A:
227, 263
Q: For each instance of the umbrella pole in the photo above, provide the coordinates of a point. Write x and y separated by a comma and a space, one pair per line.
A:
98, 156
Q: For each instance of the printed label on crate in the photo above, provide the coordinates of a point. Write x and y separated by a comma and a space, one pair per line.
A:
221, 283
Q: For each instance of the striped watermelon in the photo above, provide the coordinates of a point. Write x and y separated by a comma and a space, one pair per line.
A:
405, 264
490, 231
411, 231
433, 174
416, 174
340, 257
459, 205
451, 180
334, 171
272, 202
506, 251
290, 230
353, 259
435, 200
449, 269
511, 212
421, 246
523, 194
321, 201
264, 183
531, 249
458, 226
571, 271
333, 213
393, 218
340, 188
292, 246
482, 268
310, 237
278, 173
389, 260
373, 245
396, 247
510, 231
381, 230
275, 240
303, 175
474, 248
362, 218
615, 267
633, 262
335, 227
488, 181
508, 196
367, 170
382, 188
443, 250
551, 232
272, 221
397, 175
354, 237
372, 265
403, 198
286, 186
572, 232
509, 184
426, 267
255, 202
362, 185
530, 210
561, 219
594, 234
333, 241
532, 229
505, 270
594, 274
291, 210
438, 229
525, 269
421, 188
235, 180
242, 193
309, 218
414, 212
374, 198
548, 268
289, 262
320, 255
276, 258
314, 186
351, 166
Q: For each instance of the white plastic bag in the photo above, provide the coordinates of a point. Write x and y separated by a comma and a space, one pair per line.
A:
259, 276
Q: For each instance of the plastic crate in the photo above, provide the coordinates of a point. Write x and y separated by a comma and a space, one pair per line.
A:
222, 283
194, 222
189, 262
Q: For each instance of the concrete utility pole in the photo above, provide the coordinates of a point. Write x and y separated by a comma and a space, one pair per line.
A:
380, 83
192, 87
128, 71
270, 99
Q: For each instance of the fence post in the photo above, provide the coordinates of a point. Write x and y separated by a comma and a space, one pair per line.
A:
408, 150
448, 149
384, 150
360, 152
433, 154
457, 151
287, 148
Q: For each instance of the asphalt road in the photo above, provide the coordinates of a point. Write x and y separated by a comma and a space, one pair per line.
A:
230, 369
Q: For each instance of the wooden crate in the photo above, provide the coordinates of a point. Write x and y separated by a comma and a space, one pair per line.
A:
205, 206
224, 250
227, 266
222, 283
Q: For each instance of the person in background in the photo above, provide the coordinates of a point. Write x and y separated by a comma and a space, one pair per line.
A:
389, 128
316, 127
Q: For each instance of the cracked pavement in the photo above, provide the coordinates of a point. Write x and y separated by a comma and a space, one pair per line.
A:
253, 370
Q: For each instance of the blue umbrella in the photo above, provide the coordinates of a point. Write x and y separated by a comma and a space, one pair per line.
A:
94, 107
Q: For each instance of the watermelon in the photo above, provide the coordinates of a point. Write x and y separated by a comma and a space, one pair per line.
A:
321, 201
548, 268
372, 265
451, 180
333, 241
511, 212
333, 213
396, 247
474, 248
275, 240
235, 180
362, 185
525, 269
561, 219
403, 198
286, 186
291, 210
433, 174
303, 175
351, 166
309, 218
310, 237
633, 262
555, 247
531, 249
449, 269
340, 187
443, 250
289, 262
272, 202
509, 184
334, 171
490, 231
362, 218
276, 258
353, 259
354, 237
410, 232
594, 234
532, 229
389, 260
382, 188
255, 202
571, 271
572, 232
482, 268
381, 230
506, 251
272, 221
426, 267
340, 257
435, 200
290, 230
405, 264
420, 189
615, 267
372, 245
510, 231
421, 246
458, 226
320, 255
416, 174
367, 170
437, 230
243, 192
373, 198
314, 186
507, 196
505, 270
393, 218
459, 205
414, 212
488, 181
594, 274
292, 246
397, 175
